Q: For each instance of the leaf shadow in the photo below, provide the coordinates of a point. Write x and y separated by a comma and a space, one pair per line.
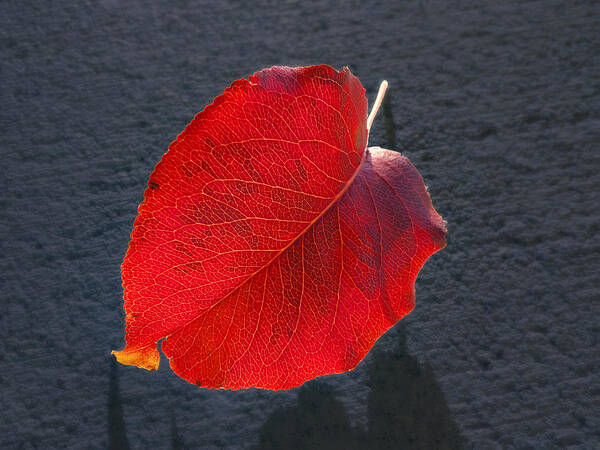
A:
117, 433
318, 420
388, 117
176, 441
406, 410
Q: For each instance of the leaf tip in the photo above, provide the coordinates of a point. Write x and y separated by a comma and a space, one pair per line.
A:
145, 357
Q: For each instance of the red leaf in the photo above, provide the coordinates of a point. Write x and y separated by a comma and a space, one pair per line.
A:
272, 247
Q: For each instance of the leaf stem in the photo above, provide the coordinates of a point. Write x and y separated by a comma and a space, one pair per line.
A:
382, 88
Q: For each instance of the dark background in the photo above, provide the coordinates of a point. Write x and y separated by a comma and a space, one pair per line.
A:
496, 103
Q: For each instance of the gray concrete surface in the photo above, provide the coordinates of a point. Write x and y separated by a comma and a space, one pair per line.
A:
496, 103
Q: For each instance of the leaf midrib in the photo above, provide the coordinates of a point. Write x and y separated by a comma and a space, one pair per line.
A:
334, 201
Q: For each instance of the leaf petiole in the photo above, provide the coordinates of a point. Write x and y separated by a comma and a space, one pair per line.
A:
382, 88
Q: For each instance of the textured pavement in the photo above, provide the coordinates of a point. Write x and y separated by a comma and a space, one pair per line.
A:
496, 103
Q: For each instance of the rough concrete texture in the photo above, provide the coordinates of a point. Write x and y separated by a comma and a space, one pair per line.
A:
496, 103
